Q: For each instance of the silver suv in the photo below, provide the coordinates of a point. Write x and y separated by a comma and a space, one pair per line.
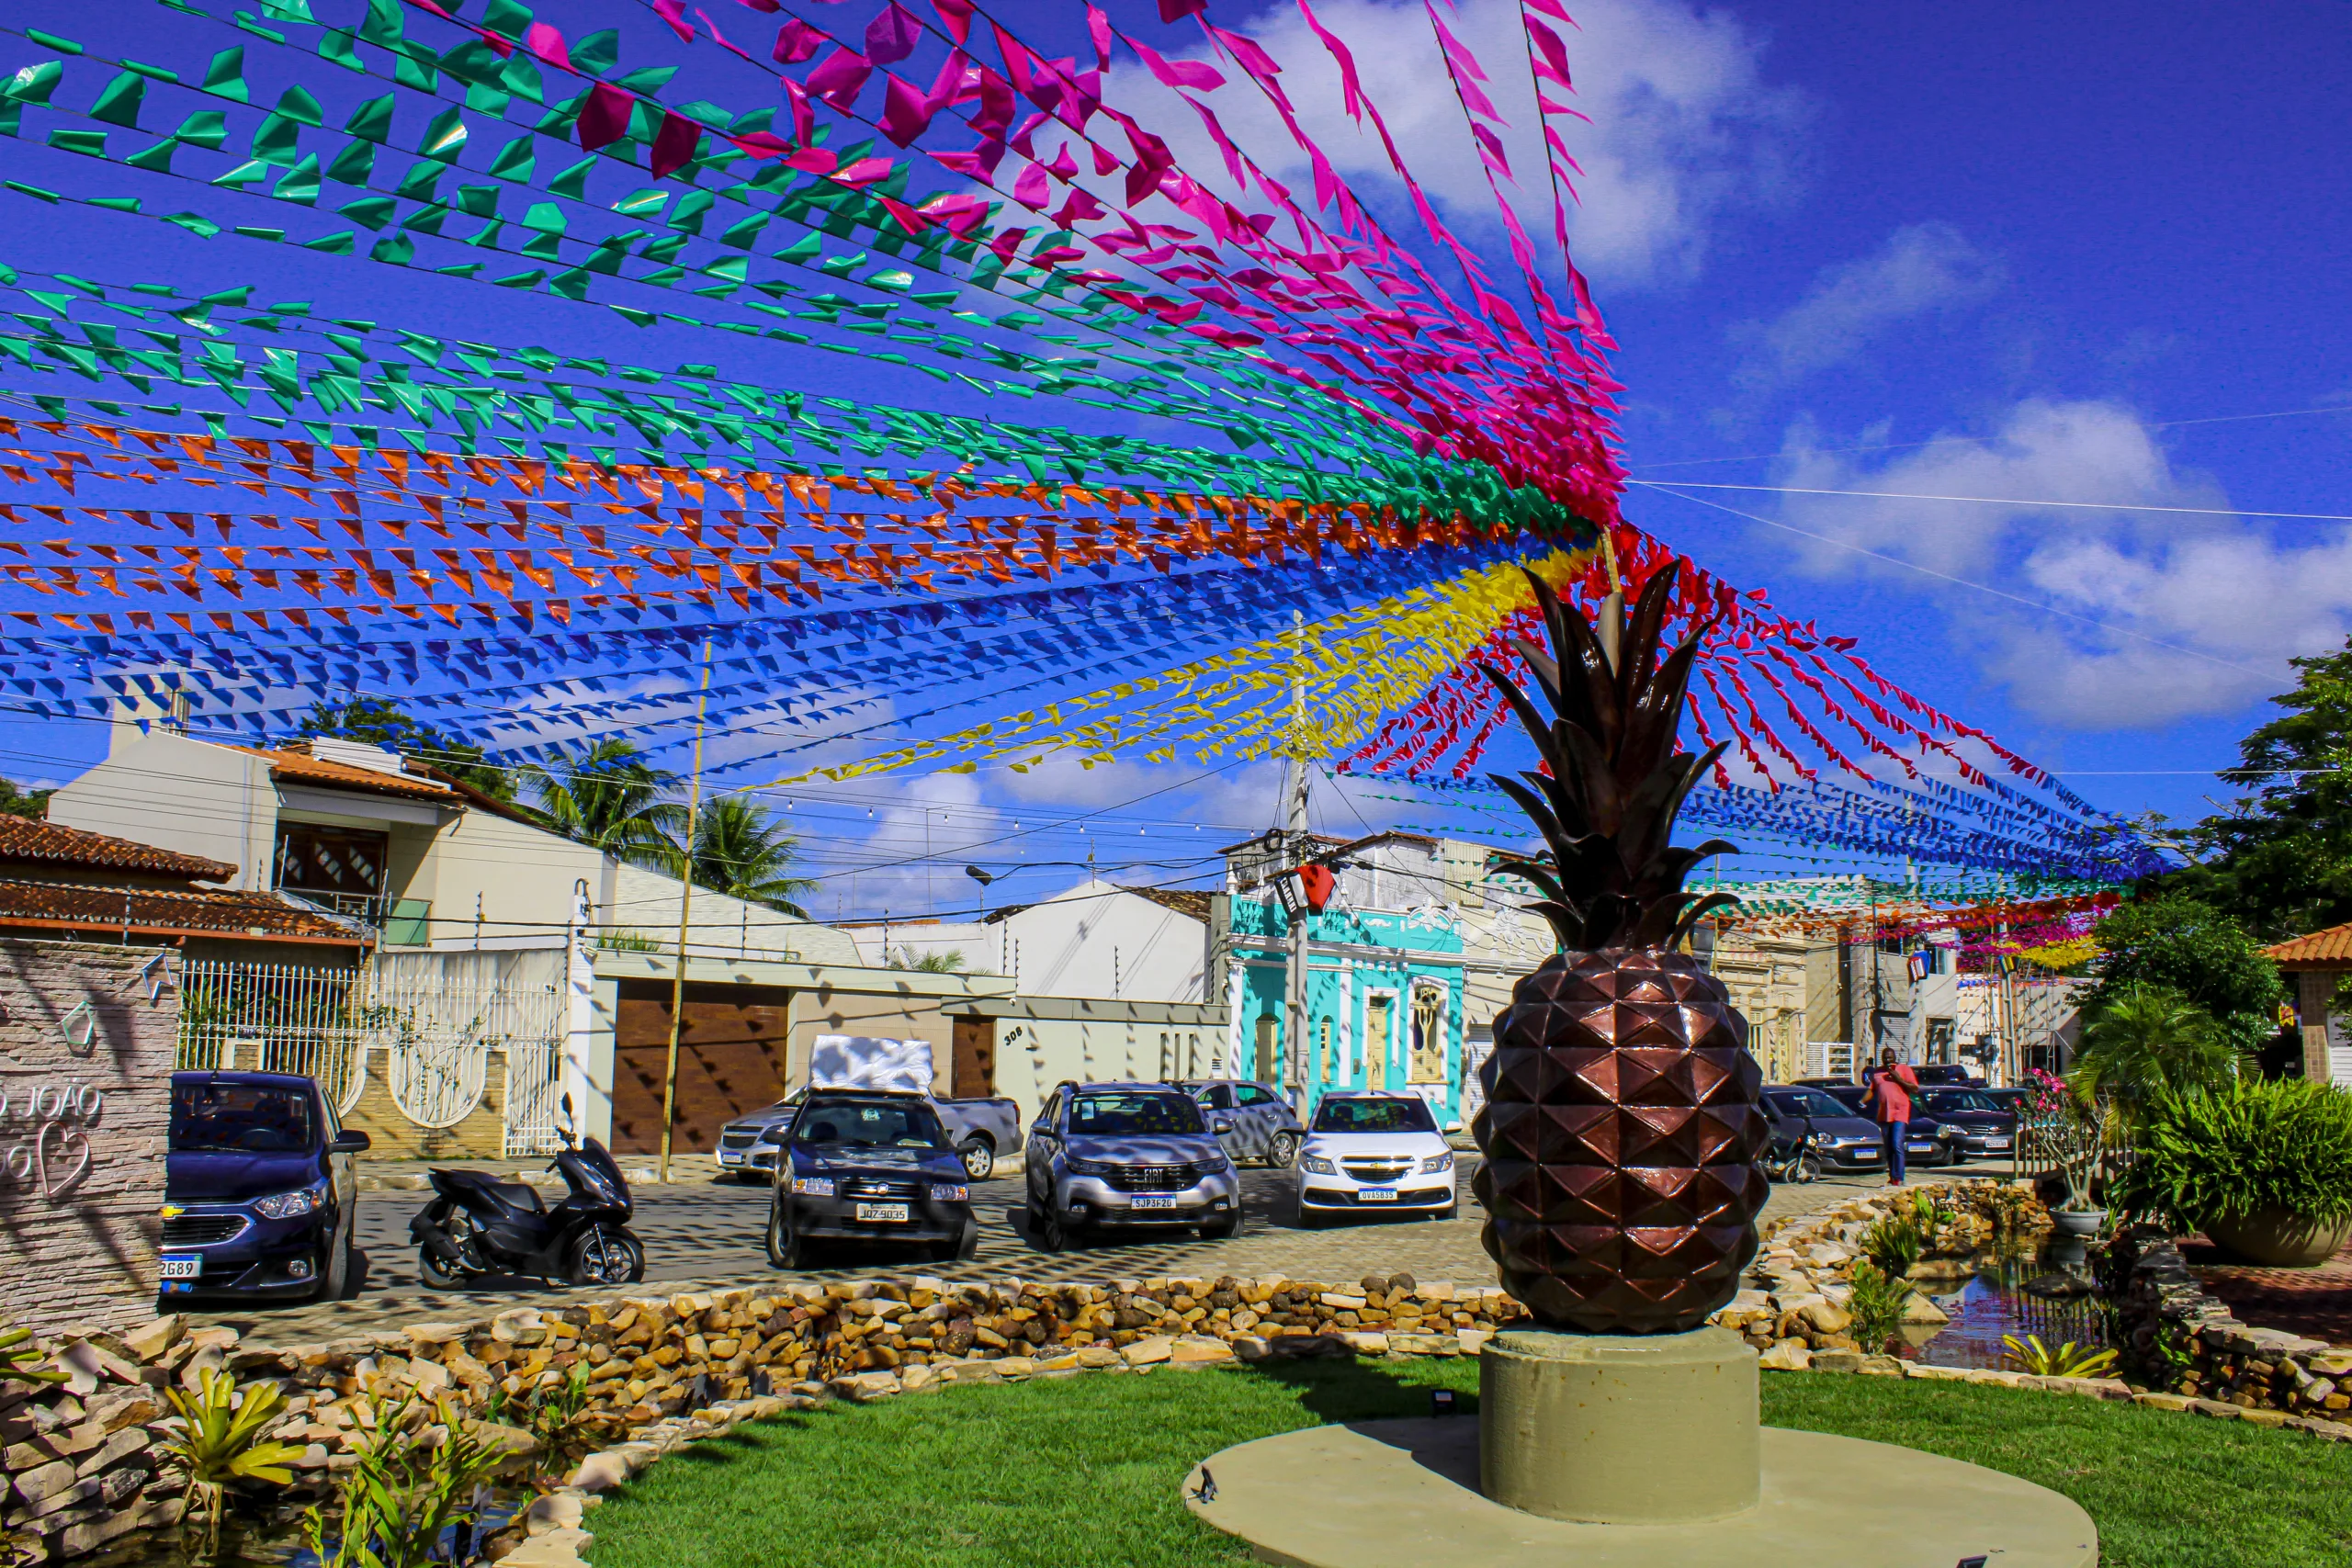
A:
1126, 1154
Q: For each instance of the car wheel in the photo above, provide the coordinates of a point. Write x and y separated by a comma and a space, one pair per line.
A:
1224, 1229
1046, 1231
1282, 1151
787, 1249
605, 1258
435, 1273
334, 1270
750, 1178
1449, 1212
979, 1158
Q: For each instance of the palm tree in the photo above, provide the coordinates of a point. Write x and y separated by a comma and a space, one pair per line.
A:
2149, 1040
947, 960
609, 797
741, 851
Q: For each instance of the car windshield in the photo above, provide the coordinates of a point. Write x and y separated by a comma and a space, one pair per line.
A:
1374, 1116
1806, 1102
1132, 1113
1959, 1100
236, 1118
871, 1124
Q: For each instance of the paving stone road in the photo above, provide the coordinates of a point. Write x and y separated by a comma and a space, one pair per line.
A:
710, 1235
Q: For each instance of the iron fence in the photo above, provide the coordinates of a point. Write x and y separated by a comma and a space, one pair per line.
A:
432, 1026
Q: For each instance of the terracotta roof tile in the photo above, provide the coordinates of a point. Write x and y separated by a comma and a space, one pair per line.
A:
52, 843
343, 775
1191, 902
75, 906
2329, 949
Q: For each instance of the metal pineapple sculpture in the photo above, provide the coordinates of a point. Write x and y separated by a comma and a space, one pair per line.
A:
1621, 1130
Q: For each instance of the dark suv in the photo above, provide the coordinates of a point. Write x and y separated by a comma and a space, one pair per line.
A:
260, 1193
867, 1165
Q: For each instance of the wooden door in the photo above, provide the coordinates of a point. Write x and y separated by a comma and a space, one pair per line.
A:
1268, 1065
973, 1075
1375, 1041
733, 1058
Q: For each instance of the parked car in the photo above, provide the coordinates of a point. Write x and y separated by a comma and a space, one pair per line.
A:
1126, 1154
867, 1165
979, 1131
1377, 1152
1986, 1127
1251, 1119
1842, 1140
1956, 1074
1928, 1139
260, 1196
2010, 1098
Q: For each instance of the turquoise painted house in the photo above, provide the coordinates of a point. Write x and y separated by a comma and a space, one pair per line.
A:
1385, 978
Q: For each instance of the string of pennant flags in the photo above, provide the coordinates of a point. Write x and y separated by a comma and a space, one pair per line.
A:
1022, 426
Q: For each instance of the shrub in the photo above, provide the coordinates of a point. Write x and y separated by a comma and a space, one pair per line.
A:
1894, 1243
2145, 1040
2068, 1361
1876, 1305
2257, 1144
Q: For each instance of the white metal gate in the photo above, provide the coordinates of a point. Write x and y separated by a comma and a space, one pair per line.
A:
432, 1020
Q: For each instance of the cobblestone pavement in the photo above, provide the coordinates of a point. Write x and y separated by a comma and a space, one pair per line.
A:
711, 1235
2316, 1302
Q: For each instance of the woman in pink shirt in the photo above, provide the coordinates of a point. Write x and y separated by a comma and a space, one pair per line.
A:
1890, 1090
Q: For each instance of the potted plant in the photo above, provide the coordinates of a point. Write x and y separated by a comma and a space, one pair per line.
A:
2263, 1167
2073, 1140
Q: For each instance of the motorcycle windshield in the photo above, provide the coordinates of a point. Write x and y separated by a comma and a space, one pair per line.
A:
594, 1170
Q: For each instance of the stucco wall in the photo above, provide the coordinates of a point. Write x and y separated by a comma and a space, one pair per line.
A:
646, 902
1095, 940
177, 794
85, 1062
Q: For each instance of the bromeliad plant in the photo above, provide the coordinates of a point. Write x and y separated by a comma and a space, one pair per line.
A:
22, 1359
2252, 1146
216, 1443
559, 1418
1876, 1305
414, 1494
2068, 1361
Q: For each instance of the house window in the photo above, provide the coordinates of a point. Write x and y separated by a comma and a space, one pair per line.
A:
331, 860
1426, 1062
1267, 1064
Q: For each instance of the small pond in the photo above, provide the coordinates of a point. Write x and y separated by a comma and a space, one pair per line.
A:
1991, 1303
279, 1544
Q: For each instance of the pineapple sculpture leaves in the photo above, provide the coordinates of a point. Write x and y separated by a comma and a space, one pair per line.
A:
1621, 1124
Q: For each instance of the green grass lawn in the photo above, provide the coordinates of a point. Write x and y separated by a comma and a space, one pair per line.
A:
1082, 1473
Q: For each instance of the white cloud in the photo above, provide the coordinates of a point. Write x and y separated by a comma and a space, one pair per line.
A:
1683, 130
1922, 268
2161, 616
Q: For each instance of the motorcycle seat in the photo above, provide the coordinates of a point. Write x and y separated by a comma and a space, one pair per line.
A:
517, 1194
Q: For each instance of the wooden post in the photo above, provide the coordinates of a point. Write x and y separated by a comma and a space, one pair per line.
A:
685, 913
2313, 987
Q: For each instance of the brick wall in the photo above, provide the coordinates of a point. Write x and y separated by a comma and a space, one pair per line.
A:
85, 1062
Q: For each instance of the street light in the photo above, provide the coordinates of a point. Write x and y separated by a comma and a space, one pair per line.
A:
983, 878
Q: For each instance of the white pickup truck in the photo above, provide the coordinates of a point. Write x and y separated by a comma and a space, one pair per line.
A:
981, 1129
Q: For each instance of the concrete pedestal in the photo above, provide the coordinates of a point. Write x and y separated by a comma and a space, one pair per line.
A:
1404, 1494
1620, 1428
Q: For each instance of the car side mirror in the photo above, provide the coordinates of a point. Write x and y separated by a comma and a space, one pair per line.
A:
351, 1141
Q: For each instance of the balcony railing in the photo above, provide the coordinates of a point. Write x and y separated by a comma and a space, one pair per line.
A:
398, 922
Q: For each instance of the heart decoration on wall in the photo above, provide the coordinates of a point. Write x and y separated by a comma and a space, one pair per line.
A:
54, 1186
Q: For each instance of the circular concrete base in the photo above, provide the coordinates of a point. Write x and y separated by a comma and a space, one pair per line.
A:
1404, 1494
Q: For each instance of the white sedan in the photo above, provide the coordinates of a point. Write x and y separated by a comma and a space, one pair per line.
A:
1374, 1153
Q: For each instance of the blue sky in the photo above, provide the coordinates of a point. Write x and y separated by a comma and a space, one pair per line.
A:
2052, 254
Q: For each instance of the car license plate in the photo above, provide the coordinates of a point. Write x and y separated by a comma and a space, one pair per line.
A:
1996, 1143
1377, 1195
1153, 1200
729, 1157
183, 1267
882, 1213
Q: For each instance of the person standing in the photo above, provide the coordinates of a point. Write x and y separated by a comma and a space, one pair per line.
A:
1889, 1090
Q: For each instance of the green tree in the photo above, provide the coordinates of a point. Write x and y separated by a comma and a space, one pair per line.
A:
16, 802
608, 795
380, 723
2280, 857
2177, 944
948, 962
2146, 1040
741, 851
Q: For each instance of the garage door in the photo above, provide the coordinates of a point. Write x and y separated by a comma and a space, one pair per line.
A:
731, 1058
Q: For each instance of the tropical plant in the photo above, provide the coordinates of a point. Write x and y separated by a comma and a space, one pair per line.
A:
419, 1472
216, 1443
944, 962
2180, 945
1876, 1304
22, 1358
566, 1428
1611, 876
2068, 1361
628, 942
2251, 1146
2144, 1039
607, 796
742, 851
1894, 1243
16, 801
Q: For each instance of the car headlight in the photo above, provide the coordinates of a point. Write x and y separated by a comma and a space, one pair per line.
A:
813, 1186
1947, 1131
1436, 1164
1318, 1165
945, 1194
292, 1205
1078, 1166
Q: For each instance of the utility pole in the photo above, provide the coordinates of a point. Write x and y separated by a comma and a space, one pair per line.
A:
1294, 1026
685, 914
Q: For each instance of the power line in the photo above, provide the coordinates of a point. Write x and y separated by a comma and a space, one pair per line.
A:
2011, 501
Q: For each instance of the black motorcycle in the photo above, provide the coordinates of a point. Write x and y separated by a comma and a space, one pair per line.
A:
480, 1225
1796, 1158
